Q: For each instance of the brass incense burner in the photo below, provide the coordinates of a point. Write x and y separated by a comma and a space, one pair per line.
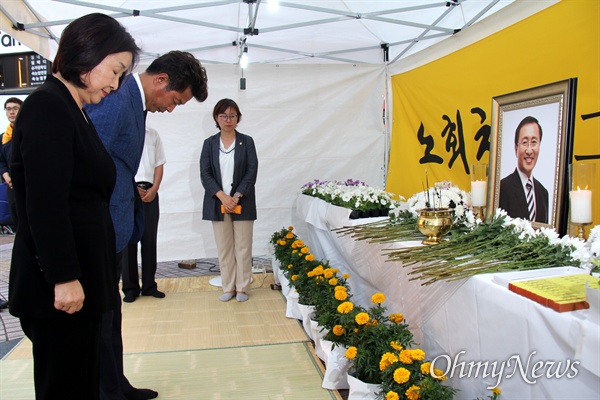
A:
434, 223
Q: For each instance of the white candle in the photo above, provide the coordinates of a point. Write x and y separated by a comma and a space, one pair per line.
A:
478, 193
581, 206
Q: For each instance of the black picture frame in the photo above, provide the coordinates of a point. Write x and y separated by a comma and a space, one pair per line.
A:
553, 105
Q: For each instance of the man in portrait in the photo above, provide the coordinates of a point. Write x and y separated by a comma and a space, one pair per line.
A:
521, 195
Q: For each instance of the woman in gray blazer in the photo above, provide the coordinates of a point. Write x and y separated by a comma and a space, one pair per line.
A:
228, 170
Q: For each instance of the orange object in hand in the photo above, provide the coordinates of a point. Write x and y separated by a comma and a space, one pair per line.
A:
236, 210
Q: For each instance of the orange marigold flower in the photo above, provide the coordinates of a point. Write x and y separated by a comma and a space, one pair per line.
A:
396, 345
294, 277
318, 270
378, 298
328, 273
342, 288
362, 318
305, 250
351, 352
333, 281
310, 257
439, 375
417, 354
397, 318
391, 395
338, 330
290, 266
289, 235
387, 359
413, 393
405, 357
401, 375
340, 295
346, 276
290, 228
425, 367
310, 274
345, 307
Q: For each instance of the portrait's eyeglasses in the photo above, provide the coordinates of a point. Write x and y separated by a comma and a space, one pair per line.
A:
9, 109
224, 117
526, 143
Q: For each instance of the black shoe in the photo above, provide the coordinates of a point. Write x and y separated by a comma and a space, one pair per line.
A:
3, 304
129, 297
141, 394
155, 293
275, 286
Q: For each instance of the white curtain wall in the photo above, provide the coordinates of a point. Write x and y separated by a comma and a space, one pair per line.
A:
308, 122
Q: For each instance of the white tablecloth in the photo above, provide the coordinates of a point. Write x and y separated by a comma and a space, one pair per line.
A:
477, 320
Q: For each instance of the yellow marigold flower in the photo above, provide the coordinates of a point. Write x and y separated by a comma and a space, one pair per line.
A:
290, 235
294, 251
290, 228
338, 330
318, 270
401, 375
328, 273
281, 242
294, 246
305, 250
310, 257
340, 295
342, 288
396, 345
425, 368
351, 352
290, 266
496, 390
355, 330
417, 354
333, 281
413, 393
405, 357
397, 318
310, 274
378, 298
387, 359
439, 375
294, 277
391, 395
362, 318
373, 322
346, 276
335, 270
345, 307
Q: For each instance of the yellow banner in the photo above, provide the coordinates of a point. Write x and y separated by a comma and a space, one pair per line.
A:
442, 110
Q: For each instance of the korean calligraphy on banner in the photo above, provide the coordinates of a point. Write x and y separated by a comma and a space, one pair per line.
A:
441, 117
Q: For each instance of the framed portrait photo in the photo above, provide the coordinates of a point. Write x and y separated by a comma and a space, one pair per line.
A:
531, 147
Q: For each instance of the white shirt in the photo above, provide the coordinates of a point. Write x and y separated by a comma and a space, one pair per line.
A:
226, 162
152, 157
136, 76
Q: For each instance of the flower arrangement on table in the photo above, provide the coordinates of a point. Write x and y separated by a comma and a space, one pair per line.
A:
499, 244
366, 333
593, 243
352, 194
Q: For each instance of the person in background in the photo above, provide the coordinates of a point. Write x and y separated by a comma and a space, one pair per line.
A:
169, 81
228, 170
521, 195
147, 179
62, 267
11, 106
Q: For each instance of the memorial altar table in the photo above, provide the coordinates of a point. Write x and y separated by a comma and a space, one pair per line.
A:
478, 332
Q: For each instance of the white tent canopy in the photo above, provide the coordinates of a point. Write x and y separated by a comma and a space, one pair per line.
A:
313, 31
317, 95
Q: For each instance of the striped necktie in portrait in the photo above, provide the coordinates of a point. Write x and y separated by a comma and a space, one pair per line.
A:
530, 202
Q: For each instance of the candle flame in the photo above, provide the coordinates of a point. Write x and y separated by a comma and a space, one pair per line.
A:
585, 188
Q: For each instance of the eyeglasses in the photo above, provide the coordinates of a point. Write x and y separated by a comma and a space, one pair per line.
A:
9, 109
526, 143
224, 117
